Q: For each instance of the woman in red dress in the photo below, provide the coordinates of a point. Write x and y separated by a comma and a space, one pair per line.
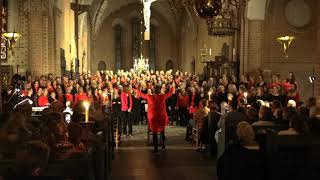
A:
157, 114
43, 99
80, 96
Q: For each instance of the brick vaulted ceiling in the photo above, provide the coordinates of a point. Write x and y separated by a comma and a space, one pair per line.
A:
101, 9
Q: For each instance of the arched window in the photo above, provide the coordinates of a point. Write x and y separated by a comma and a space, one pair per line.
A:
169, 65
102, 66
136, 38
117, 45
152, 48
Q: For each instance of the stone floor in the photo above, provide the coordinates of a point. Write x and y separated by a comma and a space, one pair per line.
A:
134, 159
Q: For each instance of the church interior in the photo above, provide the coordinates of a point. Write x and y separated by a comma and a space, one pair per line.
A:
229, 87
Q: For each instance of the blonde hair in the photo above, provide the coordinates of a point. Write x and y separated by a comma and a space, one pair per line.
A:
245, 131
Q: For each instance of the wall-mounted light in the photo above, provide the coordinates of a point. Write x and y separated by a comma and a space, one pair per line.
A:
286, 41
312, 79
11, 38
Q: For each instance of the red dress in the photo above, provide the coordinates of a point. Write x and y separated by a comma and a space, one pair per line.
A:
80, 97
69, 97
157, 112
43, 101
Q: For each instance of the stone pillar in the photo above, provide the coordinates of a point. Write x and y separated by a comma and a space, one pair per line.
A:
244, 35
17, 23
39, 29
255, 44
317, 67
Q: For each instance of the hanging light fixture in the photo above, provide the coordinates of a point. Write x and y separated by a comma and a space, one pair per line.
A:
207, 8
11, 38
222, 16
141, 64
285, 41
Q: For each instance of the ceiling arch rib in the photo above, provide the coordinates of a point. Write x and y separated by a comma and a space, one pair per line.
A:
107, 7
98, 15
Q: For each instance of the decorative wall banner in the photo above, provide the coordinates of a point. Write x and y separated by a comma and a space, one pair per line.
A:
4, 19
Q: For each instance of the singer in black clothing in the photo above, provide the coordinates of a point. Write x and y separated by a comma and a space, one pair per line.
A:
116, 107
136, 109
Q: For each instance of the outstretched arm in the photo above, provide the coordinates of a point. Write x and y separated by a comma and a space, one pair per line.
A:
167, 95
144, 96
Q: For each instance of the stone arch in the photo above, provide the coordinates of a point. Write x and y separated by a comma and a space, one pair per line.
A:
154, 22
102, 66
118, 21
134, 14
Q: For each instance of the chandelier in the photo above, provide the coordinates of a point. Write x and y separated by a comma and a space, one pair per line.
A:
222, 16
141, 64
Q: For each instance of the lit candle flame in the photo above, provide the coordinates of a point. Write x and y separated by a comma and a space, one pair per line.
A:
245, 94
86, 105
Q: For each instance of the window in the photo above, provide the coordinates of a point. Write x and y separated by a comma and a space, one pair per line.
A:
118, 49
102, 66
63, 63
136, 37
152, 48
169, 65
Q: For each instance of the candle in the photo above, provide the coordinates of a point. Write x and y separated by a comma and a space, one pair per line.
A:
210, 52
209, 93
245, 94
68, 103
104, 97
86, 105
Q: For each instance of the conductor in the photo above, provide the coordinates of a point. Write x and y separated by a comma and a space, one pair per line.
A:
157, 114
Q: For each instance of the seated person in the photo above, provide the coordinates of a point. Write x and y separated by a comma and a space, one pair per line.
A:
15, 130
278, 118
57, 137
265, 117
31, 159
297, 126
242, 160
75, 134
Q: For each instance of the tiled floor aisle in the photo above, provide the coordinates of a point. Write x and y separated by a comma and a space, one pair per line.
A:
135, 160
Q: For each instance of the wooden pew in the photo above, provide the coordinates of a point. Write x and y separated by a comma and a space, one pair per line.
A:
288, 156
